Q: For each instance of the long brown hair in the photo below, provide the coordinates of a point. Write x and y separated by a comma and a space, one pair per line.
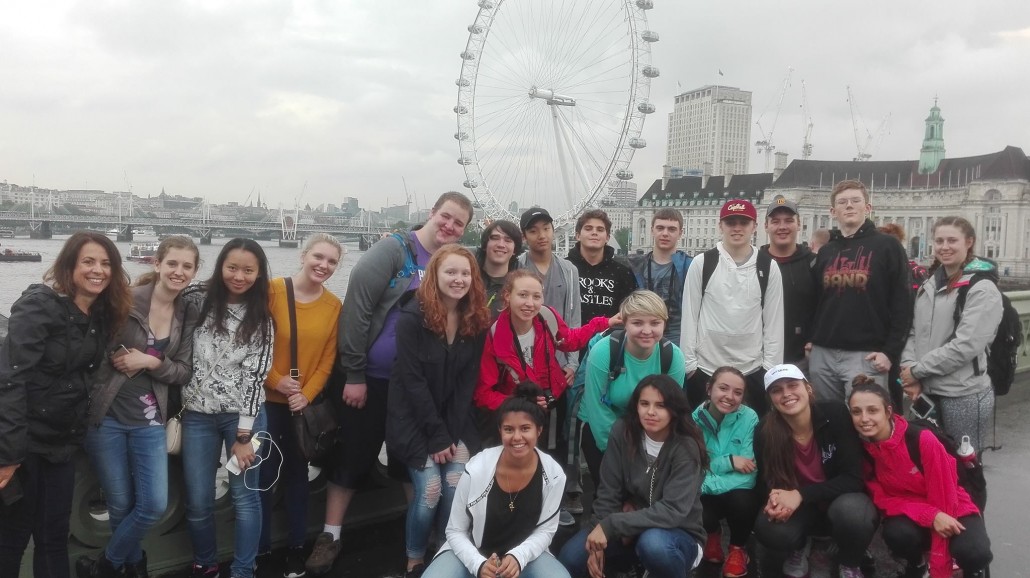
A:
680, 423
474, 317
968, 232
777, 457
115, 301
169, 243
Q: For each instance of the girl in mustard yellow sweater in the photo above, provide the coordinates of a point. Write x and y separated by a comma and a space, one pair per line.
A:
317, 311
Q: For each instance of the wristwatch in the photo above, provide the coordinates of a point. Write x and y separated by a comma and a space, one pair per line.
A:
243, 438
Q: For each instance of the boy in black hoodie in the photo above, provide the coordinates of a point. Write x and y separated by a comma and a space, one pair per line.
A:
603, 281
799, 287
864, 308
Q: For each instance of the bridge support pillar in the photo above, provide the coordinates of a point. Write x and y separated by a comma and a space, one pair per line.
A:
289, 243
125, 234
40, 230
205, 237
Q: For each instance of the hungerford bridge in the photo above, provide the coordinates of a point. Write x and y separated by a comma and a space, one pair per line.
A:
287, 227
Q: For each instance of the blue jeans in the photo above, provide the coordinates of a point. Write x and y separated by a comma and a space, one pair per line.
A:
43, 514
293, 478
204, 437
434, 486
447, 565
665, 553
132, 466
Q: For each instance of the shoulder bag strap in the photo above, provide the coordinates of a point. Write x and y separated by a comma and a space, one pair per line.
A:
291, 305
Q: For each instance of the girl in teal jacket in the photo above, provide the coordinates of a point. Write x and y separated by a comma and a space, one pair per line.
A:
728, 488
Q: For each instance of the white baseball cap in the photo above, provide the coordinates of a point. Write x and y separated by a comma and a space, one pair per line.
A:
782, 371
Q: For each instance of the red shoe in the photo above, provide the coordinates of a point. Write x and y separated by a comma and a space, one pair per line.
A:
713, 548
736, 563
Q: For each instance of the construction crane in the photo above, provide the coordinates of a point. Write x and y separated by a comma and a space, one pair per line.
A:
864, 147
765, 146
806, 120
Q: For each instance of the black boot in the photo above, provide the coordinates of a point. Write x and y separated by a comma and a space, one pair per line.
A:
137, 570
99, 568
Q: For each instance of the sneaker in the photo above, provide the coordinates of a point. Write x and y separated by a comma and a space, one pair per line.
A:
565, 518
851, 572
323, 554
295, 567
713, 548
736, 563
415, 572
796, 564
201, 571
573, 504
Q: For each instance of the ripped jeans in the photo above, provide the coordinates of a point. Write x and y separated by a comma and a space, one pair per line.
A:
434, 486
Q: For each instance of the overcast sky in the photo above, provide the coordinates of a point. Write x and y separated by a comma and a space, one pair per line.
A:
219, 98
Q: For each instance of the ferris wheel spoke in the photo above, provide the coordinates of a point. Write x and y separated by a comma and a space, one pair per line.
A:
549, 104
580, 46
580, 63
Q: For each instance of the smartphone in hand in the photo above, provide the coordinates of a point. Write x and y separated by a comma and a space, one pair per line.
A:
119, 352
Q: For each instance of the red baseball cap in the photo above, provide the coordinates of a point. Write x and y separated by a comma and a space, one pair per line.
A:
738, 208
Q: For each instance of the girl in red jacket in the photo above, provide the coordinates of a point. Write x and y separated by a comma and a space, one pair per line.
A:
521, 344
924, 507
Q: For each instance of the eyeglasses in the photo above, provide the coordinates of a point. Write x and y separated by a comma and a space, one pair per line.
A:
849, 201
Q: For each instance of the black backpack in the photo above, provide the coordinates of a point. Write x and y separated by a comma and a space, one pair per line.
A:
970, 478
763, 264
1001, 353
617, 359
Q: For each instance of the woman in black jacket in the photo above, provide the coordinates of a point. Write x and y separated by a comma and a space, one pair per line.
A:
152, 358
58, 336
810, 473
430, 421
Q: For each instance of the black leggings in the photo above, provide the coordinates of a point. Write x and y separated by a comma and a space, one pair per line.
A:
971, 549
591, 455
852, 519
738, 507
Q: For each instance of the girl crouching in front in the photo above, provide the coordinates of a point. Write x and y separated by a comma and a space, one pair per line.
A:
505, 509
648, 505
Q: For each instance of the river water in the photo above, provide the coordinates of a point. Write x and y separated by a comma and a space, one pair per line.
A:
15, 277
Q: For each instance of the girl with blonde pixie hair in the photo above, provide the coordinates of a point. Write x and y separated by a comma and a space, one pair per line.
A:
641, 342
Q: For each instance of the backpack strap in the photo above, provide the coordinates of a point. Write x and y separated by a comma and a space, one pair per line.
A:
711, 262
407, 271
762, 265
960, 305
912, 443
550, 320
617, 358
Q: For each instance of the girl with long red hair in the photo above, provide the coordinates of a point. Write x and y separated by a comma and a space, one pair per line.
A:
430, 421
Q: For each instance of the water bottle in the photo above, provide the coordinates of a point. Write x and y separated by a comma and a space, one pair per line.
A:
966, 453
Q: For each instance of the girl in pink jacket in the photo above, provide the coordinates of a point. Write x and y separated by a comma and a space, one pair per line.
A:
923, 506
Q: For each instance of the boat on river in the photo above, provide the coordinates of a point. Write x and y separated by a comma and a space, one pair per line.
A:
12, 256
142, 252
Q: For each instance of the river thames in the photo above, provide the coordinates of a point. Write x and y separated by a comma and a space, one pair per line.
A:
281, 261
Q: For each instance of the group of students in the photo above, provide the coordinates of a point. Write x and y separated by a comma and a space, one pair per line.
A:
442, 353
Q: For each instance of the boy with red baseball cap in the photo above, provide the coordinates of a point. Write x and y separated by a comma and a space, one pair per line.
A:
732, 309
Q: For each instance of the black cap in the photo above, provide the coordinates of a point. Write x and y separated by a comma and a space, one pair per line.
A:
533, 215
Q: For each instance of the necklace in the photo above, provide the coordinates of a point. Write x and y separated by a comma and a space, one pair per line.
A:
511, 497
